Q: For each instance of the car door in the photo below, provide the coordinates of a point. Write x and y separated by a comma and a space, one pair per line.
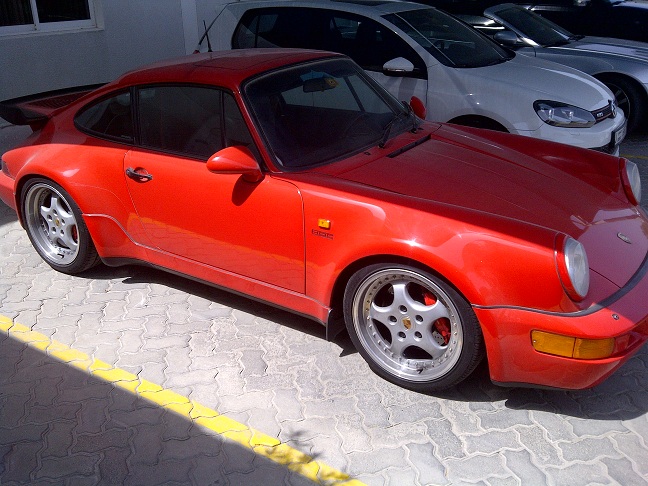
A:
250, 229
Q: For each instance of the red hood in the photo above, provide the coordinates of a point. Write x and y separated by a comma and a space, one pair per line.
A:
574, 191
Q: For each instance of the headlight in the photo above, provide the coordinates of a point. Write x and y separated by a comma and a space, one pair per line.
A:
563, 115
631, 181
573, 267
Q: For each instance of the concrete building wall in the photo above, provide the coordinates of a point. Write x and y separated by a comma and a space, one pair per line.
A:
128, 33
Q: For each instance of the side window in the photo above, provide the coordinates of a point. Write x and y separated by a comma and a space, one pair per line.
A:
367, 42
236, 131
273, 27
192, 120
181, 119
372, 44
110, 118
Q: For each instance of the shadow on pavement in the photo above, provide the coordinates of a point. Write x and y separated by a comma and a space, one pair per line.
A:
61, 425
622, 396
136, 274
7, 215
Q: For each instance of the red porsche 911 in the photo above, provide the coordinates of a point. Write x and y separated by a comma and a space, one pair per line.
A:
293, 178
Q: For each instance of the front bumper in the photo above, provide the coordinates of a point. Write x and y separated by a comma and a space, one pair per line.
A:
604, 136
513, 360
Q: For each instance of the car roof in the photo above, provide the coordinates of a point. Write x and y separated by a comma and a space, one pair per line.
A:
231, 67
379, 7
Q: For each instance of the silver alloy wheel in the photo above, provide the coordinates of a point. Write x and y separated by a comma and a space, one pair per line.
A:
52, 224
408, 325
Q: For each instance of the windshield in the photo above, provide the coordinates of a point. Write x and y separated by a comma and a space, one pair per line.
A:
318, 112
531, 25
449, 40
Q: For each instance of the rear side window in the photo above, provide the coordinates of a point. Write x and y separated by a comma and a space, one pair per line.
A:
109, 118
369, 43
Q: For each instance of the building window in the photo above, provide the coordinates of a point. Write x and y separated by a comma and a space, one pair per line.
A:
45, 15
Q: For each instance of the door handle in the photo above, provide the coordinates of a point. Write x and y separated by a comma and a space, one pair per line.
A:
138, 176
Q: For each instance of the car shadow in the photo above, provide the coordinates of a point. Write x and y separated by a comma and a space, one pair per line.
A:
67, 426
136, 274
622, 396
7, 215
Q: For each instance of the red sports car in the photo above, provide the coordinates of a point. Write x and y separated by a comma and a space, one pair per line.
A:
291, 177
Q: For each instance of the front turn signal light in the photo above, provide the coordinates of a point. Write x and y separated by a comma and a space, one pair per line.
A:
571, 347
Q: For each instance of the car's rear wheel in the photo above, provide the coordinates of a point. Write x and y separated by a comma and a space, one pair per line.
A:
411, 327
56, 228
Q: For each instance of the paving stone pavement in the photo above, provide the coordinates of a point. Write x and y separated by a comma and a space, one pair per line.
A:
275, 372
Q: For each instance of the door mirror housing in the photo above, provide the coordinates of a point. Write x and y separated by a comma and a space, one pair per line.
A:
235, 160
398, 67
509, 39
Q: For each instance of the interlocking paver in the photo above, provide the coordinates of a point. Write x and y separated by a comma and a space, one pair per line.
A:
428, 468
521, 464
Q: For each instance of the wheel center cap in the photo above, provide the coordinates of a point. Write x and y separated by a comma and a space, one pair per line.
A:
407, 322
57, 222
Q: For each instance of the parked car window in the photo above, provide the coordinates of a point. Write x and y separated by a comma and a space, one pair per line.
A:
366, 41
314, 114
192, 120
449, 40
537, 28
110, 118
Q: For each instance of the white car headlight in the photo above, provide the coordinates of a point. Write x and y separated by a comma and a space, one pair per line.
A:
563, 115
573, 267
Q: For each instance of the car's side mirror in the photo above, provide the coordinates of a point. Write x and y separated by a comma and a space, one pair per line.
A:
398, 66
235, 160
508, 38
418, 107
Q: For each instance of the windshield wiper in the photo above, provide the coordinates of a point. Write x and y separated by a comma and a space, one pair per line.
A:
397, 117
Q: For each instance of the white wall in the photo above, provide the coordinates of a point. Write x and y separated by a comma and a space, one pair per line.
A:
129, 33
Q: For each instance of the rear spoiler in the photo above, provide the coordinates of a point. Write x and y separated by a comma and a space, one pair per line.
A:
34, 110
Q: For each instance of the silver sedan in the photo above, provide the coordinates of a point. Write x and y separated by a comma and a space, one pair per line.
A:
622, 65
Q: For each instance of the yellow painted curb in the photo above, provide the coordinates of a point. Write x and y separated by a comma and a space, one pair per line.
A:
261, 444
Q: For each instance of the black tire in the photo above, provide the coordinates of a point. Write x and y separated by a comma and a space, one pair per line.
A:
55, 226
411, 327
630, 99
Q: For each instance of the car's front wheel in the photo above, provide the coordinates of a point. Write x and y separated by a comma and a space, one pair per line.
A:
56, 228
629, 98
411, 327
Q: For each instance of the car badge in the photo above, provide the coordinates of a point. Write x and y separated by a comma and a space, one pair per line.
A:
407, 322
624, 238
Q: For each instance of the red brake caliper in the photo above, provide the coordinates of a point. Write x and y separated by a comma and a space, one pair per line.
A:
441, 325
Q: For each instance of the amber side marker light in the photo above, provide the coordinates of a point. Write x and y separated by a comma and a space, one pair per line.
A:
571, 347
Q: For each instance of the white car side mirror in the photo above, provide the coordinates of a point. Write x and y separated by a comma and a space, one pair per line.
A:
398, 65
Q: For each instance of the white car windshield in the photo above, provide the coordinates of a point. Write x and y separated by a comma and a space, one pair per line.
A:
449, 40
540, 30
318, 112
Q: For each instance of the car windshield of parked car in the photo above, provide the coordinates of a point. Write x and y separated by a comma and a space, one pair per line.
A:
319, 112
540, 30
449, 40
